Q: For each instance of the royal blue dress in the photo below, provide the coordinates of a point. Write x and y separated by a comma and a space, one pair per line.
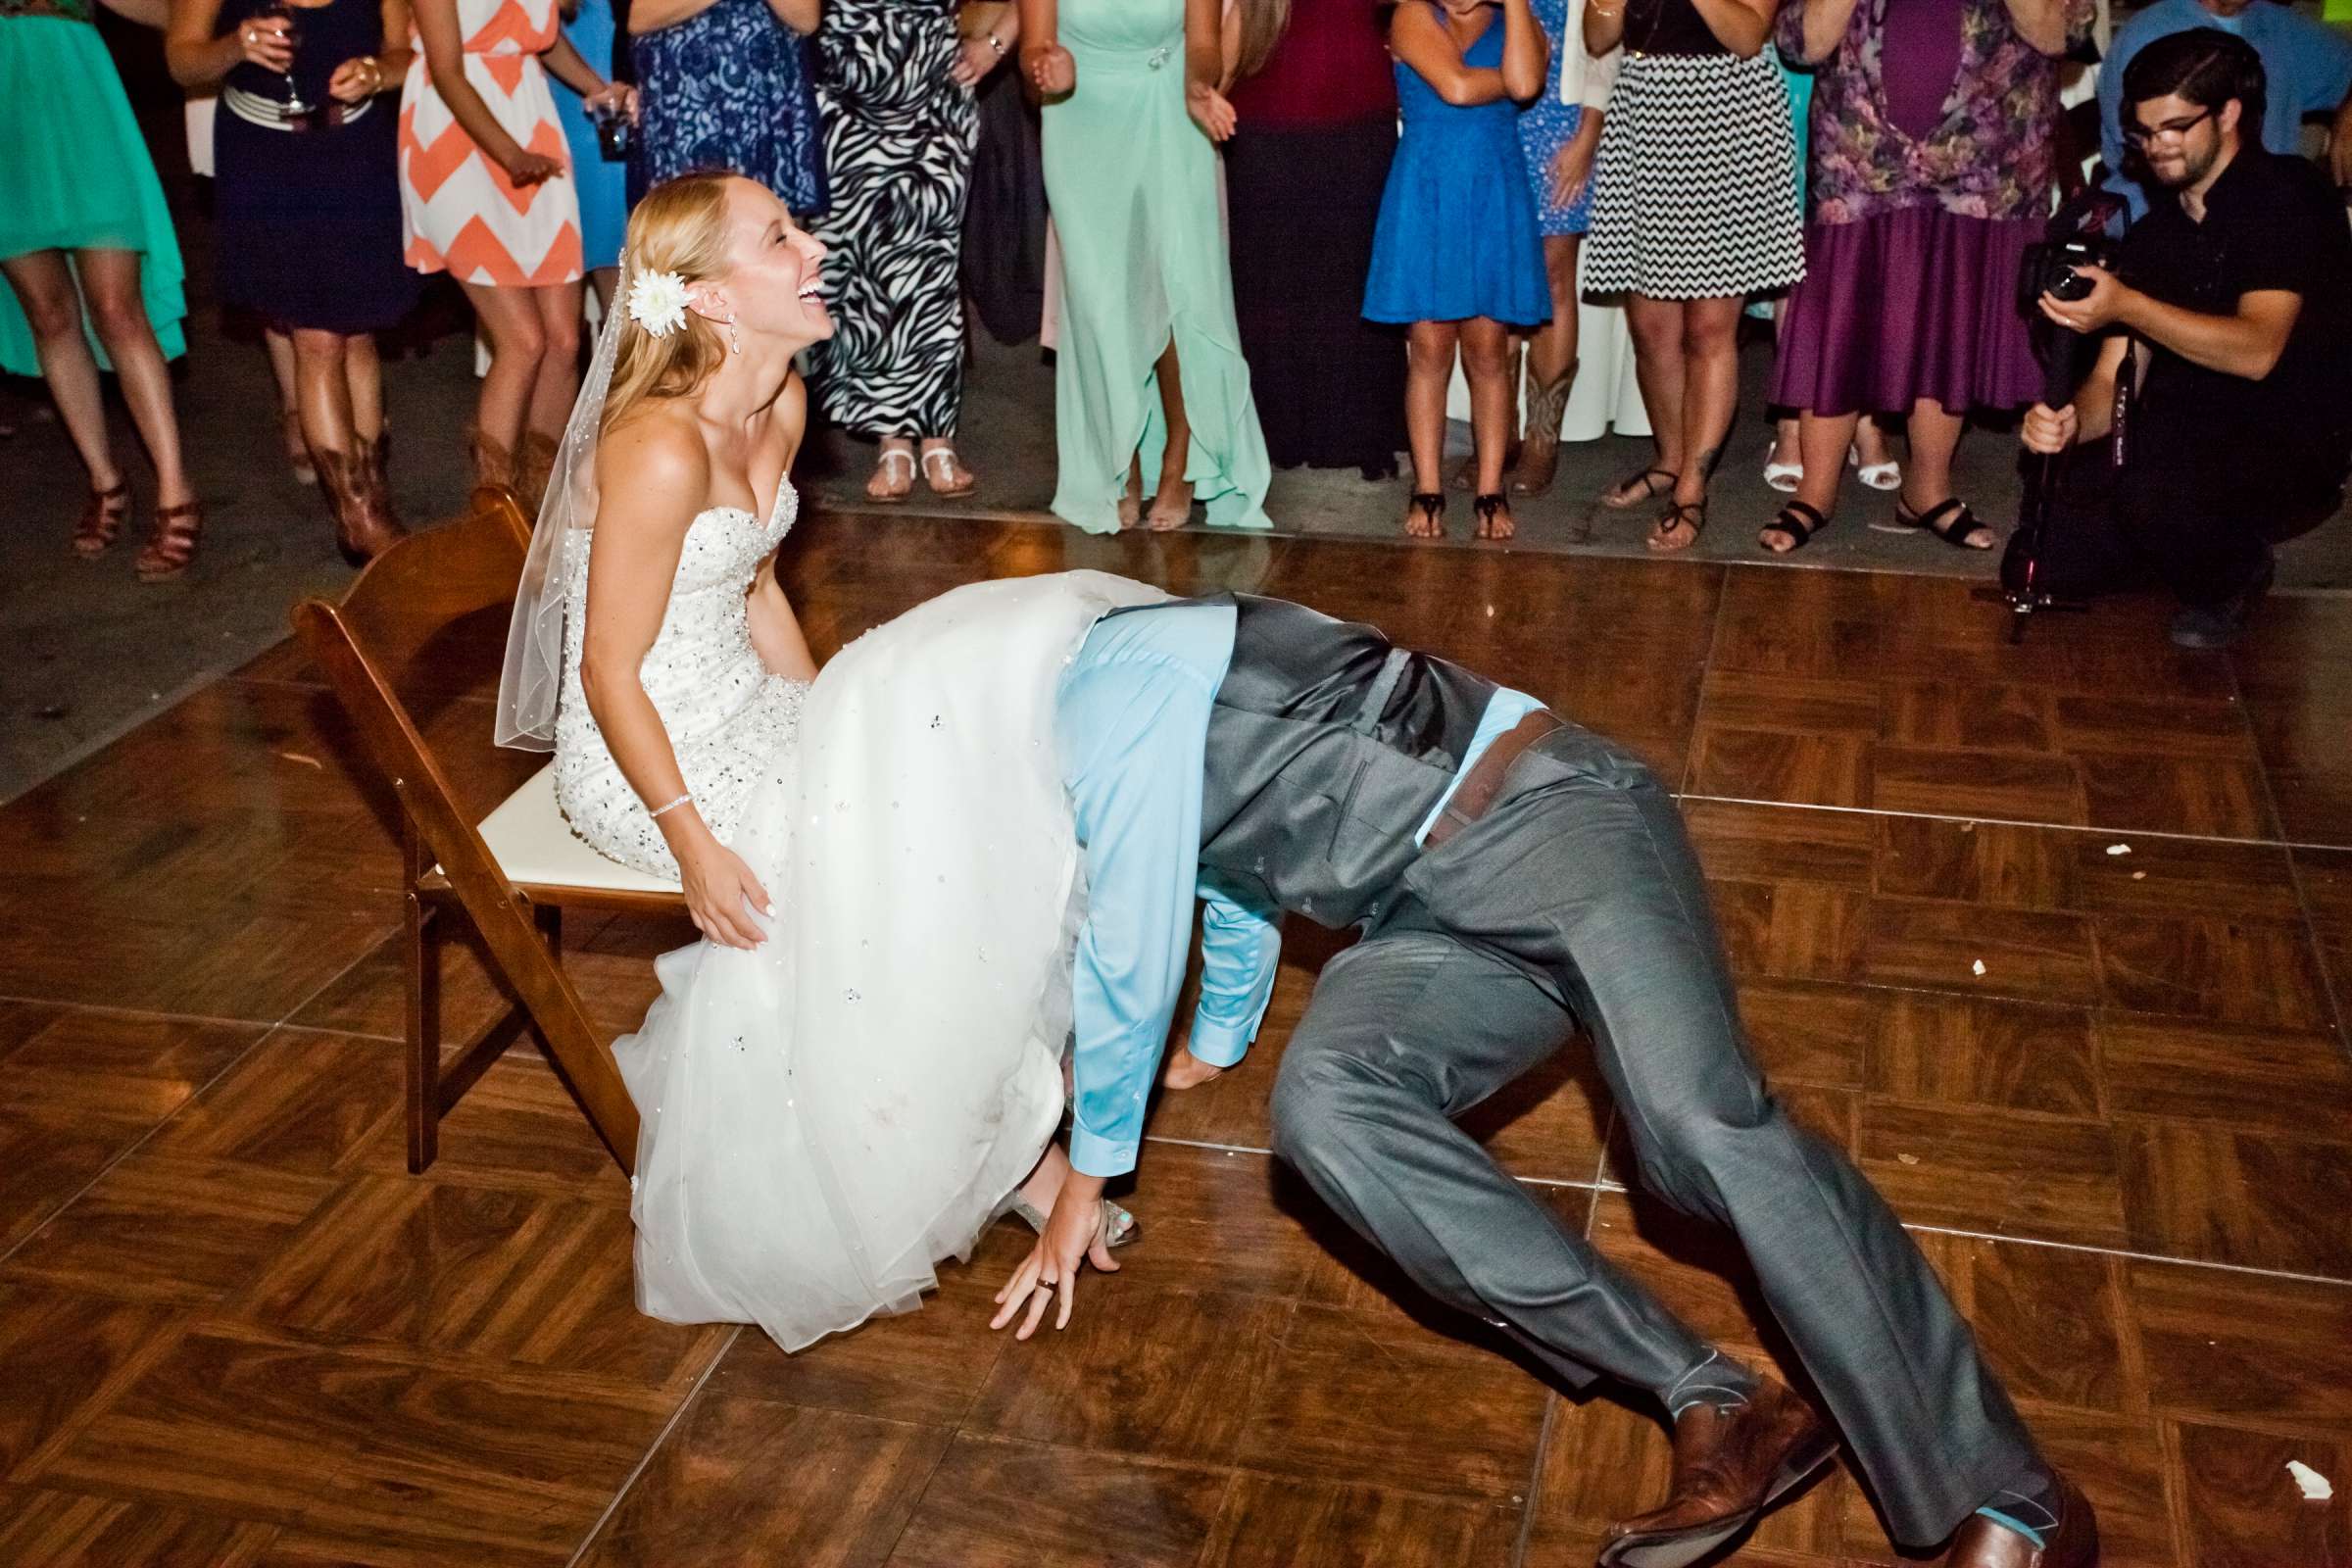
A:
1457, 233
603, 185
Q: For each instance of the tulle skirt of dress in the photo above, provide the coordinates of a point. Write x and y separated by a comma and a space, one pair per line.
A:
827, 1117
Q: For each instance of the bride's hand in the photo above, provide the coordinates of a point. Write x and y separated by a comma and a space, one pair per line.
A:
721, 893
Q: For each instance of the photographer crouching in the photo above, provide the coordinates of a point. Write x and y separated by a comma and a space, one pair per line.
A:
2231, 303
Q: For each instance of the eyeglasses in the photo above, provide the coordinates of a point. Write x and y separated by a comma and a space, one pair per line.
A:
2141, 135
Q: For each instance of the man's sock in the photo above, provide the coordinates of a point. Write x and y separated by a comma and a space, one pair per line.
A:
2027, 1505
1713, 1379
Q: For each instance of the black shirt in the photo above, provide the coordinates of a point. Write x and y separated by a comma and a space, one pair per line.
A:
2271, 222
1668, 28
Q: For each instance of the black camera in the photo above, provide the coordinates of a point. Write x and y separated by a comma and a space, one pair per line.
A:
2049, 268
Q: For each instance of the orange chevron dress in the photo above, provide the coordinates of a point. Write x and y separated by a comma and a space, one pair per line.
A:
460, 214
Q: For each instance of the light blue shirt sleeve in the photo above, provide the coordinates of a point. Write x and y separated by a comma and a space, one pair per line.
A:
1133, 728
1241, 947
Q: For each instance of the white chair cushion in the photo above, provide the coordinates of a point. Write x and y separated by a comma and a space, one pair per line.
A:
532, 842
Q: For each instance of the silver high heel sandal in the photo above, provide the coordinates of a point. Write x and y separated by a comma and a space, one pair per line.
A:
1114, 1230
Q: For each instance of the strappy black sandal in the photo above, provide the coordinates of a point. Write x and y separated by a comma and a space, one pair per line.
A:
1431, 504
1951, 521
1693, 512
1799, 522
1615, 499
1486, 505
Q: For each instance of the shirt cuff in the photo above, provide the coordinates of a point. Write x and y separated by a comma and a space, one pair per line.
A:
1093, 1154
1218, 1043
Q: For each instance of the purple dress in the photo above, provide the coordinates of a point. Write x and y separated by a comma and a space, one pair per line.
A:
1932, 167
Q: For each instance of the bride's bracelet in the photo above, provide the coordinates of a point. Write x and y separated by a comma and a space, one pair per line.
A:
672, 806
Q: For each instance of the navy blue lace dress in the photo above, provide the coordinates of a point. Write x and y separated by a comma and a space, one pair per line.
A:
729, 87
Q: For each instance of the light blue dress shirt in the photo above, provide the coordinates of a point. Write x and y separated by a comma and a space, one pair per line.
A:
1132, 725
2306, 64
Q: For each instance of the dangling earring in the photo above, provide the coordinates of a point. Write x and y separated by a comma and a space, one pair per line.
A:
734, 341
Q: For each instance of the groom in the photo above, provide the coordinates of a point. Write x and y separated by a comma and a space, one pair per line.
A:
1516, 878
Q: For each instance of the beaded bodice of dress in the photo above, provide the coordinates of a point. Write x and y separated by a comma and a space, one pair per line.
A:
730, 719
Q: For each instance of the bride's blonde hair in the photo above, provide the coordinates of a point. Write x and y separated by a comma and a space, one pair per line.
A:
682, 227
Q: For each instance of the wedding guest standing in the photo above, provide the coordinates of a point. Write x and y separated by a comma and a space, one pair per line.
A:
1933, 165
1005, 211
726, 84
1559, 132
487, 196
1318, 110
1457, 258
602, 183
292, 187
199, 112
83, 225
1694, 209
895, 93
1132, 114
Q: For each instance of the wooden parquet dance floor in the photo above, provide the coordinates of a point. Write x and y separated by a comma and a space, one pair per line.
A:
2110, 1089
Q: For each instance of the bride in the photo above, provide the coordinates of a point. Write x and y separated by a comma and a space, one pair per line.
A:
859, 1067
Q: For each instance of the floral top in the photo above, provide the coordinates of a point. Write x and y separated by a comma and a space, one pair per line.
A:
1991, 155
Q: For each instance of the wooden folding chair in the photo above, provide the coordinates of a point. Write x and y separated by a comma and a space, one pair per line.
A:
512, 874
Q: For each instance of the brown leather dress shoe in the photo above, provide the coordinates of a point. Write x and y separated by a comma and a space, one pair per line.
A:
2074, 1543
1729, 1467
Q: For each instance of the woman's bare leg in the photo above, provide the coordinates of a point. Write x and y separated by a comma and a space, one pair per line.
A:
322, 390
1656, 326
558, 383
1429, 350
364, 386
1485, 349
1172, 498
43, 284
109, 283
510, 320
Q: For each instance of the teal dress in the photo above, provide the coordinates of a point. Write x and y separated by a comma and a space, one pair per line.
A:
1133, 185
74, 173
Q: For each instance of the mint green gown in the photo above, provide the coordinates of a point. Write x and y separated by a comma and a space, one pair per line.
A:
74, 172
1133, 185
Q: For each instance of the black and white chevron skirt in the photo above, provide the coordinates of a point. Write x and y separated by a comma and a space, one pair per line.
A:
1695, 185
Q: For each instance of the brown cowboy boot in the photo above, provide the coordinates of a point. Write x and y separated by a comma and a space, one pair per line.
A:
1730, 1465
534, 466
493, 463
1540, 443
2074, 1544
345, 487
366, 528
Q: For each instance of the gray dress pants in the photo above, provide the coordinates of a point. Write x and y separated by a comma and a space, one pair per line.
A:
1577, 900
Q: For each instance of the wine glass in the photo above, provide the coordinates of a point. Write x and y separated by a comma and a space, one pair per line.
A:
284, 14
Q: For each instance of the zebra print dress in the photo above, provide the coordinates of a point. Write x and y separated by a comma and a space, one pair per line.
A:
899, 137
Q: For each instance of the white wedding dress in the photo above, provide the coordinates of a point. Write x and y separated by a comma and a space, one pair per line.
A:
827, 1117
730, 719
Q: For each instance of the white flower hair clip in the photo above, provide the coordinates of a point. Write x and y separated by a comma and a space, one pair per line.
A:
658, 301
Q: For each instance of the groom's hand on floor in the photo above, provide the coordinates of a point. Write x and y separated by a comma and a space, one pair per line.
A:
1049, 1273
